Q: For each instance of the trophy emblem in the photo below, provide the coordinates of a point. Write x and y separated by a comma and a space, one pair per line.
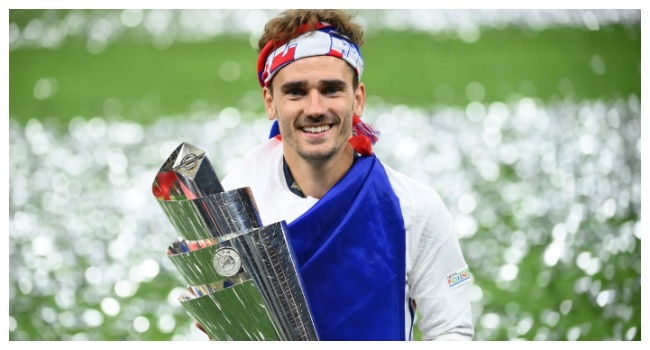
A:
227, 262
243, 283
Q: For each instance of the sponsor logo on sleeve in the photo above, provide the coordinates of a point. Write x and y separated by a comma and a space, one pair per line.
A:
458, 277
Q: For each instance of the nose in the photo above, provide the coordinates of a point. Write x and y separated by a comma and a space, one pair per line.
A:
315, 104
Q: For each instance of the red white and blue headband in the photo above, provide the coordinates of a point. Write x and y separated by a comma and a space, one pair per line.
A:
324, 40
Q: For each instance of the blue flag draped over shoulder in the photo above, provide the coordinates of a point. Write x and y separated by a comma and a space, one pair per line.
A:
350, 248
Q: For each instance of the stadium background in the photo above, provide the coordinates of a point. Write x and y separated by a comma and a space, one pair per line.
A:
526, 122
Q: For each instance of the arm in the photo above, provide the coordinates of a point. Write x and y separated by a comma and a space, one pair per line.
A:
443, 303
435, 256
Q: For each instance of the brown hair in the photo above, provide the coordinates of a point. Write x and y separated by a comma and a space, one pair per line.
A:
283, 27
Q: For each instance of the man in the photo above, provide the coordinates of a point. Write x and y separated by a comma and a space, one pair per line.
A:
373, 245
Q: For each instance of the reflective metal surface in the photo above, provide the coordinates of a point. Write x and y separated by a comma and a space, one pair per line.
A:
234, 313
213, 216
190, 194
187, 174
195, 261
243, 282
269, 259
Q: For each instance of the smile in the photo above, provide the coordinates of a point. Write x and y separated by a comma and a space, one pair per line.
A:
316, 129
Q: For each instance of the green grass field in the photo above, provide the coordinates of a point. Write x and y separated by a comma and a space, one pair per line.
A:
415, 69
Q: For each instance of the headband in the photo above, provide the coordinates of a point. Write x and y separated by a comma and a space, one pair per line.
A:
322, 41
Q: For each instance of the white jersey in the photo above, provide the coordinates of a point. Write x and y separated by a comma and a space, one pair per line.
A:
437, 276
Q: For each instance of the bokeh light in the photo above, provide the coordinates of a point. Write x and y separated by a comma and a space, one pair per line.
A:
92, 242
546, 196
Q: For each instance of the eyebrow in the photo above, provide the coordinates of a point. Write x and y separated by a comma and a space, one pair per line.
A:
301, 84
293, 85
334, 82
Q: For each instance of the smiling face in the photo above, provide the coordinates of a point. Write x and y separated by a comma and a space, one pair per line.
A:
314, 100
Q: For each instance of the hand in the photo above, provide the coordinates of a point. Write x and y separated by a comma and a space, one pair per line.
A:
198, 325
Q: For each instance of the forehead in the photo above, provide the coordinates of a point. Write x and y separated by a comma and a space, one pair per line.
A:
314, 69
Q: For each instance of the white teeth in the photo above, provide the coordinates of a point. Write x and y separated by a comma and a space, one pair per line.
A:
316, 129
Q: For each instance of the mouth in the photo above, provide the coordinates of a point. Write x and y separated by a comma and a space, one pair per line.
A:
316, 129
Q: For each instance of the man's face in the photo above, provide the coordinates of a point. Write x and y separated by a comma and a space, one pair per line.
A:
313, 100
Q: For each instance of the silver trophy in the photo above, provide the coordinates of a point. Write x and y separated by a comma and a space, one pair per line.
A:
243, 282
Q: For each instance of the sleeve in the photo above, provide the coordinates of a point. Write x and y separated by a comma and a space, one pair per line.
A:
439, 280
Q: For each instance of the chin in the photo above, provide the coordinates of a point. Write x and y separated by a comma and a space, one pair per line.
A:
317, 155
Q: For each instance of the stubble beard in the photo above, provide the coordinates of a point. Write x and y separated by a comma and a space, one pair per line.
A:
319, 157
316, 157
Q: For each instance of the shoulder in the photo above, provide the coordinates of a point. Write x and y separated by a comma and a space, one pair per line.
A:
427, 220
419, 198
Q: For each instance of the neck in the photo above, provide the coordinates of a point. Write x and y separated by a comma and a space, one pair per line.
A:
316, 178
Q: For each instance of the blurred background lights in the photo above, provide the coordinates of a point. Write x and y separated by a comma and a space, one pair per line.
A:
475, 91
466, 226
551, 318
229, 71
110, 306
41, 245
150, 268
490, 320
172, 297
45, 88
605, 297
467, 204
93, 275
524, 325
631, 333
545, 195
12, 324
598, 65
573, 334
92, 317
131, 17
124, 289
166, 323
229, 117
508, 272
407, 147
141, 324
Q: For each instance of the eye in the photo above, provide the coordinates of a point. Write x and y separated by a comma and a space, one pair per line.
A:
331, 90
295, 92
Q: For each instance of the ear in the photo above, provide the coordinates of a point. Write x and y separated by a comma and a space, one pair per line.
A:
268, 103
359, 100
